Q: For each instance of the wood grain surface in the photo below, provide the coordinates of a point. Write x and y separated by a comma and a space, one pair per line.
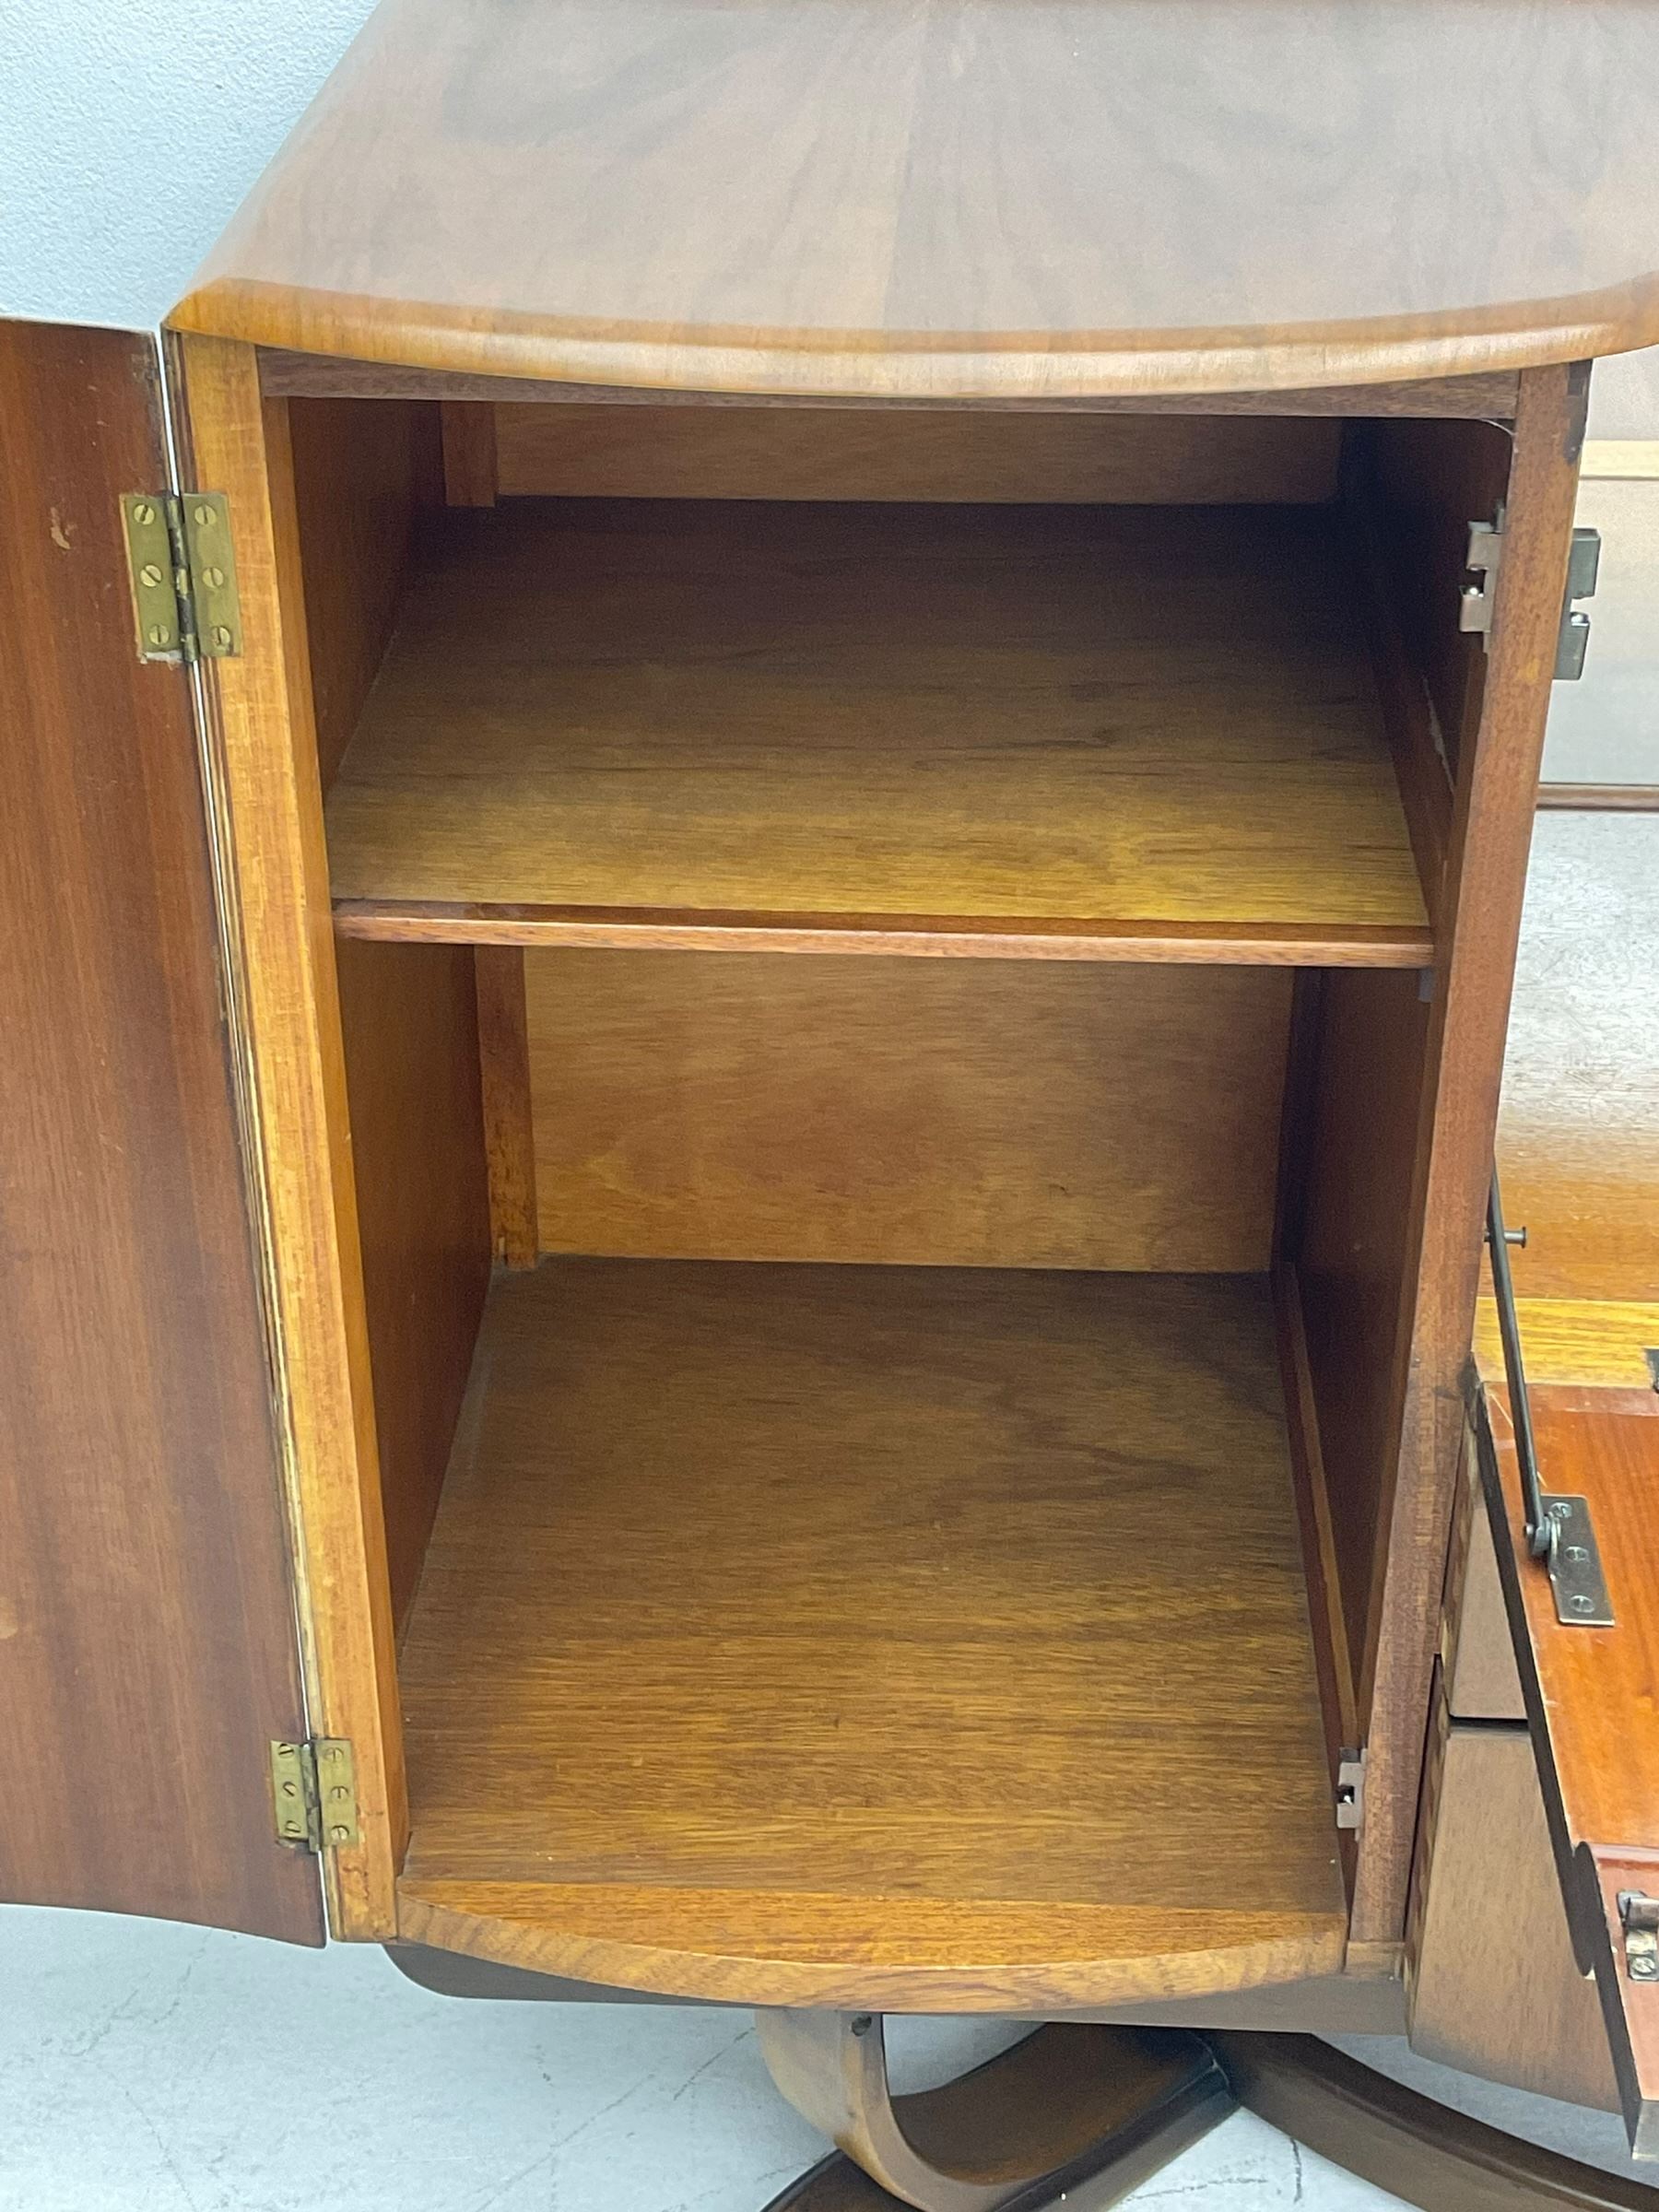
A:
263, 752
335, 376
1141, 716
1486, 867
1599, 798
509, 1103
1427, 482
848, 1635
1590, 1692
361, 472
901, 1954
148, 1652
470, 474
597, 451
1355, 1175
885, 936
912, 1111
1493, 1987
1331, 1652
1415, 2148
963, 197
410, 1017
1575, 1340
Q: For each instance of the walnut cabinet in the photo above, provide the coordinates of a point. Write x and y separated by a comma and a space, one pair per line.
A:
754, 1010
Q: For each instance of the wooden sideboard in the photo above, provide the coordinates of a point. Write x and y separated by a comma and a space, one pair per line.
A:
754, 1057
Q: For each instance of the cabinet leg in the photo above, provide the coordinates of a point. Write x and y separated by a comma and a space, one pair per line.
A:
1087, 2113
1424, 2152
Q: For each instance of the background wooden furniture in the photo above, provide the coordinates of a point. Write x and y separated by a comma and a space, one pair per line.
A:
861, 868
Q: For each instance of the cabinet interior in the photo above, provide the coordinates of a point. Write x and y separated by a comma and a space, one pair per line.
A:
884, 964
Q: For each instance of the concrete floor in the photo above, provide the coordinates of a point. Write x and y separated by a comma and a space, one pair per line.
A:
151, 2068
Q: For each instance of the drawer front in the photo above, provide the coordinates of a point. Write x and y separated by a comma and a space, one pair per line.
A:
1477, 1653
1492, 1986
1591, 1697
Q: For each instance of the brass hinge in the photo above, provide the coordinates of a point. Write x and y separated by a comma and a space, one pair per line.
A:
313, 1787
182, 566
1478, 601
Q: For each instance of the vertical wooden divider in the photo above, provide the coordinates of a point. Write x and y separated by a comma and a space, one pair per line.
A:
509, 1128
275, 870
1479, 925
469, 453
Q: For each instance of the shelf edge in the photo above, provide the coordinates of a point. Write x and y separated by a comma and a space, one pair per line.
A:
1281, 945
568, 1930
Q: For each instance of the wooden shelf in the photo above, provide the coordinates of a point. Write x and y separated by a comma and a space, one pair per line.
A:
871, 1636
1091, 734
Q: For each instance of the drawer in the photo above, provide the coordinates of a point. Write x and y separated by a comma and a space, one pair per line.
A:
1492, 1985
1591, 1693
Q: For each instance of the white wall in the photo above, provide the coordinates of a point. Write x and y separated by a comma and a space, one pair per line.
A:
101, 99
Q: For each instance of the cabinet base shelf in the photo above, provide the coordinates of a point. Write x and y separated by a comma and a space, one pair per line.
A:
903, 1638
861, 1954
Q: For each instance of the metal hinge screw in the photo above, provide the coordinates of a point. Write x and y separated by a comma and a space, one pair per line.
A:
1640, 1916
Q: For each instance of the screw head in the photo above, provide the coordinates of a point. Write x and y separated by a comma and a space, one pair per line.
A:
339, 1835
1579, 1603
213, 578
1644, 1969
142, 513
221, 637
156, 634
149, 573
204, 516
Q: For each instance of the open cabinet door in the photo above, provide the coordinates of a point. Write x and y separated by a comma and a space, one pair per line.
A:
1587, 1641
148, 1642
1579, 1153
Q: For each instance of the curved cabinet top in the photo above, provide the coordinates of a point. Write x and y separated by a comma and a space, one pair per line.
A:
972, 199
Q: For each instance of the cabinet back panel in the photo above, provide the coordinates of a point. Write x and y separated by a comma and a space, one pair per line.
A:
736, 453
921, 1112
